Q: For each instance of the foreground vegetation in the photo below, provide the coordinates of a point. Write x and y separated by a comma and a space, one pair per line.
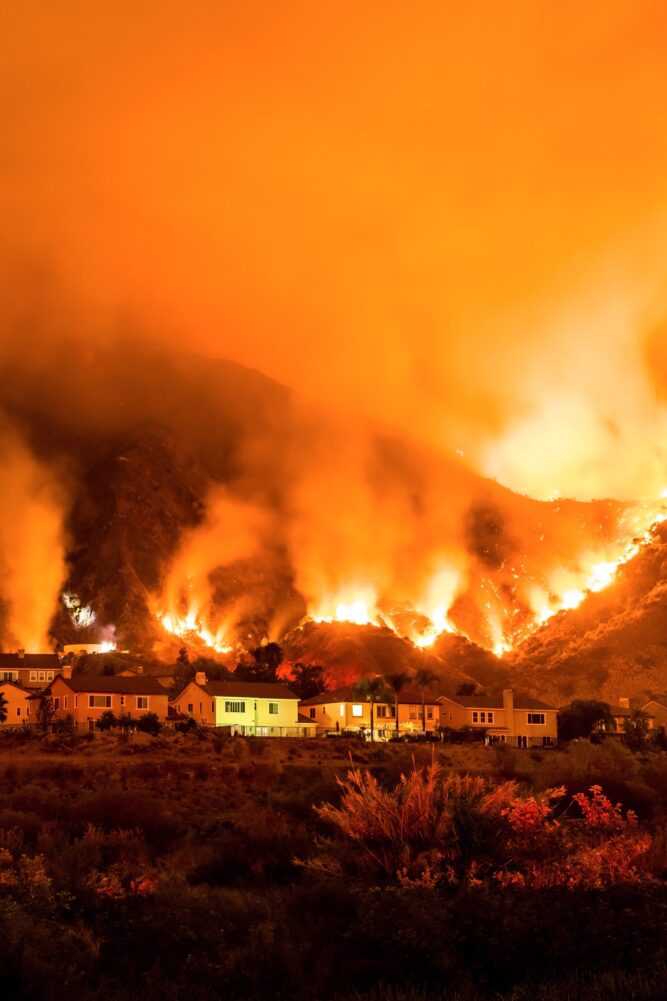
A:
190, 866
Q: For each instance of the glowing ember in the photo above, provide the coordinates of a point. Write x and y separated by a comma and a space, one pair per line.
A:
81, 615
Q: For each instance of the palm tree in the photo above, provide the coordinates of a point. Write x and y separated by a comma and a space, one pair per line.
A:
424, 678
397, 683
3, 708
372, 690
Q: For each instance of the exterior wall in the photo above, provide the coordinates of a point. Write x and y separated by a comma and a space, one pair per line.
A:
76, 704
28, 677
655, 709
18, 705
353, 715
509, 725
203, 704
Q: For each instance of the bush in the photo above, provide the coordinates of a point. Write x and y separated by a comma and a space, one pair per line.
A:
149, 723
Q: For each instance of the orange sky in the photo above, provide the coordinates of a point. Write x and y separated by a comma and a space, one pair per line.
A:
449, 216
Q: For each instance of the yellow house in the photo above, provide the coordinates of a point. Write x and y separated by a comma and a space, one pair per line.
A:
344, 709
517, 720
17, 703
252, 708
84, 697
656, 712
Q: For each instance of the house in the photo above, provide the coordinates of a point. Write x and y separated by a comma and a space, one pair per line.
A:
253, 708
622, 713
84, 697
29, 670
656, 711
18, 704
507, 718
345, 709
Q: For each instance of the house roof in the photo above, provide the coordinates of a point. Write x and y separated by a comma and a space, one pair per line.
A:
15, 684
30, 660
659, 700
109, 683
302, 720
496, 702
247, 689
407, 696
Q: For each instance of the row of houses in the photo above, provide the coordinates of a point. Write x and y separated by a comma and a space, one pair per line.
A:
272, 709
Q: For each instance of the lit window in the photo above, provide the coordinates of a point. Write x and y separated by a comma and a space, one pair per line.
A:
273, 708
535, 719
234, 707
357, 710
386, 712
142, 702
342, 709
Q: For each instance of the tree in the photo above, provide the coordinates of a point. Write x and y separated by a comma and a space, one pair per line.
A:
149, 723
264, 666
372, 690
307, 680
635, 728
583, 716
45, 713
183, 656
3, 708
397, 683
466, 688
107, 720
424, 679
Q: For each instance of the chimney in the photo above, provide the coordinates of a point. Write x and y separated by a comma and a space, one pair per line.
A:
200, 678
66, 671
624, 703
508, 704
21, 653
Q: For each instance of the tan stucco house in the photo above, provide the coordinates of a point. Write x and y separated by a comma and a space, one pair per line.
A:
84, 697
345, 709
507, 718
252, 708
17, 703
29, 670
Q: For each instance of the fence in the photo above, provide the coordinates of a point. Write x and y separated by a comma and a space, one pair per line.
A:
241, 730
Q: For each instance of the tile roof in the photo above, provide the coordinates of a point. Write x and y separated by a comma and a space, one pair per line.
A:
109, 683
249, 689
30, 660
496, 702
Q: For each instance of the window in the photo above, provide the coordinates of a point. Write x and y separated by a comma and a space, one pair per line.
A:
413, 712
342, 709
386, 712
429, 712
76, 701
33, 675
546, 742
122, 700
273, 708
49, 675
357, 710
535, 719
18, 710
42, 676
56, 703
98, 702
142, 702
190, 708
311, 712
65, 701
201, 708
489, 717
213, 705
234, 707
10, 675
475, 717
